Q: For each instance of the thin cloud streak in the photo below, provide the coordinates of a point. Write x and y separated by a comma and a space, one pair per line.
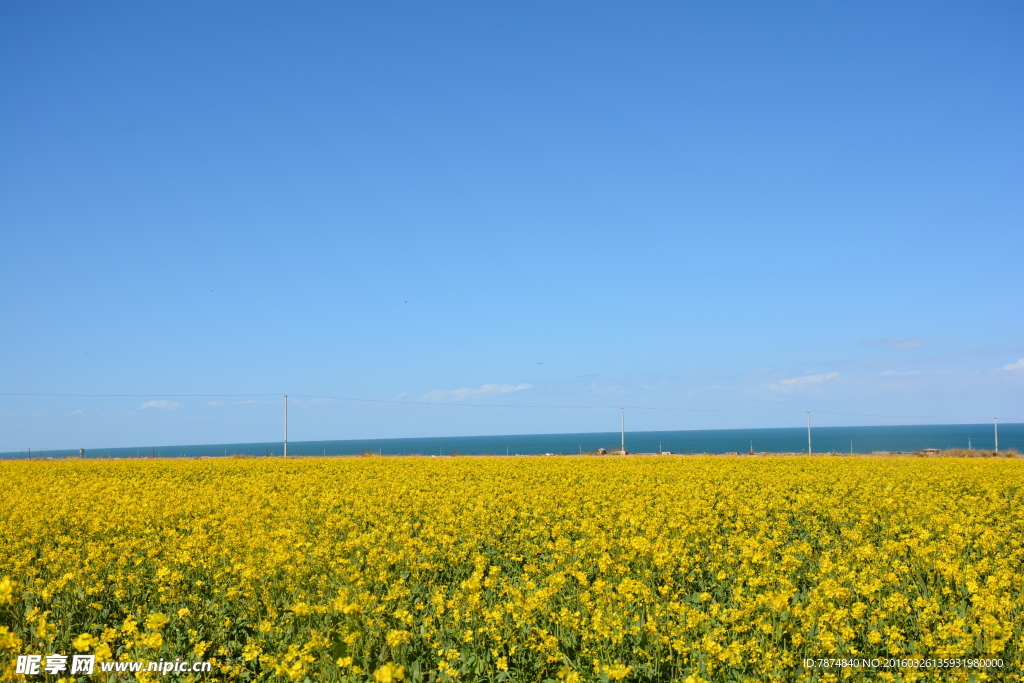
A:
897, 343
793, 382
469, 392
908, 373
160, 405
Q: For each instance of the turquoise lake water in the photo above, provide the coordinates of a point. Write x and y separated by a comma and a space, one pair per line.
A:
781, 440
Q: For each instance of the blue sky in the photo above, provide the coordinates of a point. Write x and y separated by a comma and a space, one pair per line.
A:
742, 207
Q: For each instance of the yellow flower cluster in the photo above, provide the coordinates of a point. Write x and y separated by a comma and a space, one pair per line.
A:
517, 569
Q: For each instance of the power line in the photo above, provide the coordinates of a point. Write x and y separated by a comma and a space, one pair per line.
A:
611, 407
385, 400
917, 417
143, 395
521, 406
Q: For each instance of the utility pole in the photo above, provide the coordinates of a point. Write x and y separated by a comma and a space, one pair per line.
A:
286, 425
623, 409
996, 419
808, 432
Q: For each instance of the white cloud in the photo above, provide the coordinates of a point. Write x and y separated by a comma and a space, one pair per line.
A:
468, 392
806, 379
77, 412
905, 373
314, 401
809, 378
162, 405
1019, 365
897, 343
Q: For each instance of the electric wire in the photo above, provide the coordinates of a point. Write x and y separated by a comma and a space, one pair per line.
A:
521, 406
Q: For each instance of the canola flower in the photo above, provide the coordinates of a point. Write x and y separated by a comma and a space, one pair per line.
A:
515, 569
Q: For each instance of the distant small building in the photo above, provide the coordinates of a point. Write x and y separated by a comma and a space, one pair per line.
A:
931, 451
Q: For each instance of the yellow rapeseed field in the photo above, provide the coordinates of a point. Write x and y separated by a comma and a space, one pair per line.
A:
517, 569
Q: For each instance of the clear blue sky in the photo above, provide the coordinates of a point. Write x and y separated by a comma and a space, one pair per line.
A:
731, 206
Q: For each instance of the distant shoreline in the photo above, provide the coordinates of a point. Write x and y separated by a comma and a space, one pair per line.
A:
1009, 454
779, 440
